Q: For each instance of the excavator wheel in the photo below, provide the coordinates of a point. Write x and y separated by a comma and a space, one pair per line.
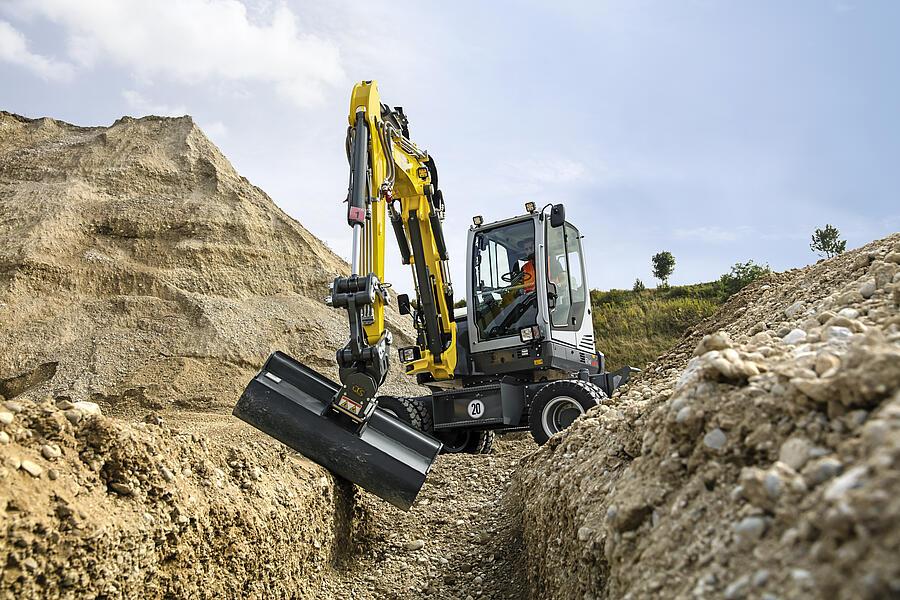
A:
466, 442
409, 410
556, 406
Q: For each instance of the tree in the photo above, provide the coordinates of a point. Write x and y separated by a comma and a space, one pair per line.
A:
461, 303
663, 266
638, 286
741, 275
825, 242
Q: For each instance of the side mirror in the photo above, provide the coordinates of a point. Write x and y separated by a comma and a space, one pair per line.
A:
557, 215
552, 295
403, 304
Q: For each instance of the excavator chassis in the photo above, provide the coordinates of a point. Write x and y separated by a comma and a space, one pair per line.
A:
292, 403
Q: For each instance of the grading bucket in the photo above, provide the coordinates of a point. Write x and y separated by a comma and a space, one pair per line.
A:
290, 402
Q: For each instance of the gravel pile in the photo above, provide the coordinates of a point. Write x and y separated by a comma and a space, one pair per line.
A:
91, 506
757, 459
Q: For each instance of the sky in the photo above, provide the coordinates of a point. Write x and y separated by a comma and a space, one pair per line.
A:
719, 131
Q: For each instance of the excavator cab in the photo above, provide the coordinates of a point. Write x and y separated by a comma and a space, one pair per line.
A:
527, 293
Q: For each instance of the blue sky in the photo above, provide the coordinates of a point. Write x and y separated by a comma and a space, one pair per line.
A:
720, 131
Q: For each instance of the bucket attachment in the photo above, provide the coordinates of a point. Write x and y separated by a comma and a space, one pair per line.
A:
291, 402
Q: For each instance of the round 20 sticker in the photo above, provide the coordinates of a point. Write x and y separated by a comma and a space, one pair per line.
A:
476, 409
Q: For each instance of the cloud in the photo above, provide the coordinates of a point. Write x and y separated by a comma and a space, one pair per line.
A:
551, 170
195, 41
214, 130
713, 234
14, 49
142, 106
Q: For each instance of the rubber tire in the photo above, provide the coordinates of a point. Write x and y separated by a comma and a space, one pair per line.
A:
586, 394
409, 410
477, 442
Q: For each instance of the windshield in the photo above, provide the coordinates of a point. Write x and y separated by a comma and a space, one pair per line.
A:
504, 280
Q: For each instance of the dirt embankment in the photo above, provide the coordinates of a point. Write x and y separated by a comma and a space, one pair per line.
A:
140, 273
761, 460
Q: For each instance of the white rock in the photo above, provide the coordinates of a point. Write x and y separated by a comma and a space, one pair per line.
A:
849, 313
4, 437
795, 336
795, 452
88, 408
6, 417
793, 310
867, 289
415, 545
846, 482
715, 439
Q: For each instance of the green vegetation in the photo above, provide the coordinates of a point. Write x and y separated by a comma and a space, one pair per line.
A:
633, 327
742, 274
663, 266
826, 242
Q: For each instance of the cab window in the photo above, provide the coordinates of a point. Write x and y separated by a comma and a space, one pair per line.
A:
504, 295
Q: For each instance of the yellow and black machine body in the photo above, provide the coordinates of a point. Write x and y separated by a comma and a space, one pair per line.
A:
521, 355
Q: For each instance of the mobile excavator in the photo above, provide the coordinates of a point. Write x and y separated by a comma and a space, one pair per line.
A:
519, 356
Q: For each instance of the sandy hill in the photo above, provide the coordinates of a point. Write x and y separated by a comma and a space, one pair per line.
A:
138, 269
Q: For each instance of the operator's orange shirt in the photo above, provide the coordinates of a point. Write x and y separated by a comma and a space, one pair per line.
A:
529, 279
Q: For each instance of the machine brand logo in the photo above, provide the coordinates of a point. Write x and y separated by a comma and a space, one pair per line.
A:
476, 409
358, 390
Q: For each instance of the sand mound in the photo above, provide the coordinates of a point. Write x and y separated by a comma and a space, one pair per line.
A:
758, 461
138, 269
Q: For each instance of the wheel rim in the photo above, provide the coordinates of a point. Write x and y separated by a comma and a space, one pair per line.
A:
559, 413
456, 442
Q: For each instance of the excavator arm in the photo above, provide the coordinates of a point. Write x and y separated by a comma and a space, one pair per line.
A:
391, 179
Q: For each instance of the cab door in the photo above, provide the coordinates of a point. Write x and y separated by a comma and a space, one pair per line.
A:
567, 291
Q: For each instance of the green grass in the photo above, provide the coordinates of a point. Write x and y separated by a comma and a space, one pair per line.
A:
633, 328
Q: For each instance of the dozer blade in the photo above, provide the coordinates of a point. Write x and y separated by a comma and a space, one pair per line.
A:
290, 402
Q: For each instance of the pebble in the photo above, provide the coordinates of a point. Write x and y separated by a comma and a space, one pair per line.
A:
53, 474
794, 337
794, 452
715, 439
867, 289
750, 528
88, 408
738, 588
167, 474
850, 480
478, 580
121, 488
30, 564
794, 309
4, 437
6, 417
415, 545
848, 313
32, 468
823, 469
826, 363
13, 407
50, 451
73, 415
760, 578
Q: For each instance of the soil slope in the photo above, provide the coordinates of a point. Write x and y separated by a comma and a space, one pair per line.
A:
759, 458
139, 270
